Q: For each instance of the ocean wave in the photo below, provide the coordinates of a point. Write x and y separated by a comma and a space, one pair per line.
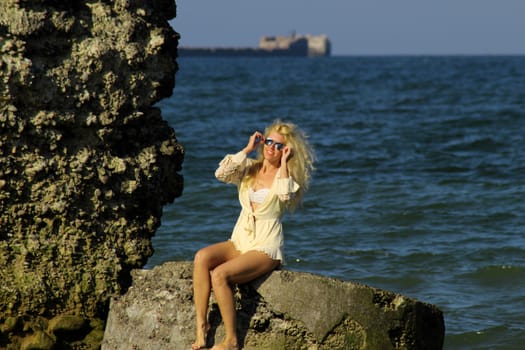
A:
497, 276
498, 337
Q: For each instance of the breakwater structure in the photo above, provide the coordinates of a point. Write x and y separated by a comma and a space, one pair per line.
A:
270, 46
283, 310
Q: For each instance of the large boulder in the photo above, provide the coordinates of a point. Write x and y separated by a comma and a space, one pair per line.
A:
283, 310
86, 160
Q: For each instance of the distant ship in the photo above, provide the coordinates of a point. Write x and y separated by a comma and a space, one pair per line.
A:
291, 45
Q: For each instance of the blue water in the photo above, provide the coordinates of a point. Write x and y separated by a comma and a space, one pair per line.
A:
420, 179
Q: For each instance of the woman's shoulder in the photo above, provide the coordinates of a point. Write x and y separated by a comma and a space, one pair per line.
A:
252, 163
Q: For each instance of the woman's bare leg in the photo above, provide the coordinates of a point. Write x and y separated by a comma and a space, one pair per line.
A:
241, 269
206, 260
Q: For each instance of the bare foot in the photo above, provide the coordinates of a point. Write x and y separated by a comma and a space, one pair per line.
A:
226, 346
200, 338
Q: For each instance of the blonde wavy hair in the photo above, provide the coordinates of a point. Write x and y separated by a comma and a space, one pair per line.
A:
300, 165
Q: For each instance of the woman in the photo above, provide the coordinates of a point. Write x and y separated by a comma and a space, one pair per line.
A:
268, 186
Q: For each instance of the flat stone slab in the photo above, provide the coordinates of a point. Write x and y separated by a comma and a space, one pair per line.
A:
283, 310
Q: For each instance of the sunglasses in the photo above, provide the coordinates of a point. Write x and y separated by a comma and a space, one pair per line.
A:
269, 142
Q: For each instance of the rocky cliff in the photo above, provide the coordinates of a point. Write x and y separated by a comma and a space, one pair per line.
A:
86, 160
284, 310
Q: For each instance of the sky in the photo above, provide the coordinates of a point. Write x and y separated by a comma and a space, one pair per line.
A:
360, 27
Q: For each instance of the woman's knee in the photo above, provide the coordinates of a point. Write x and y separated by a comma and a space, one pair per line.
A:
202, 258
209, 257
214, 255
219, 276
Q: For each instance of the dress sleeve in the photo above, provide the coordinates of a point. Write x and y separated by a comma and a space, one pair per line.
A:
231, 168
286, 188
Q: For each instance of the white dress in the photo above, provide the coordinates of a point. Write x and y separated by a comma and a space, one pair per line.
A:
259, 229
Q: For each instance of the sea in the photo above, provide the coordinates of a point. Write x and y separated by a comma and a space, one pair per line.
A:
419, 185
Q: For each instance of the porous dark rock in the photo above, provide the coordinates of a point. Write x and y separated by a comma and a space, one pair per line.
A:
283, 310
86, 159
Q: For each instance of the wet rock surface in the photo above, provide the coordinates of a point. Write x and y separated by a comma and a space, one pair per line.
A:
86, 160
285, 310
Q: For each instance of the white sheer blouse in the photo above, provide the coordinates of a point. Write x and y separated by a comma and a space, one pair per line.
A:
259, 229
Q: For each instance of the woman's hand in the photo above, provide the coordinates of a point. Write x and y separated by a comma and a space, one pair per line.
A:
255, 140
287, 153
